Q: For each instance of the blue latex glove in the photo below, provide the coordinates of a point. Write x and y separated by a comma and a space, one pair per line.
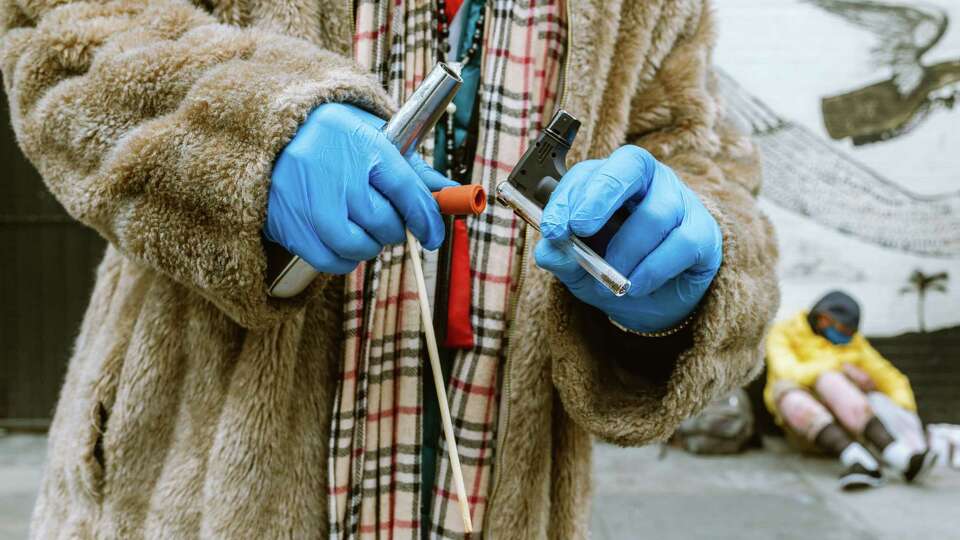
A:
670, 247
340, 191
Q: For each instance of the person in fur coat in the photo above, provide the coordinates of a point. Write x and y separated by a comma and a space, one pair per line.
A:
198, 406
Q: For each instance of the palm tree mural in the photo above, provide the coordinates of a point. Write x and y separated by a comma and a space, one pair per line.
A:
920, 283
890, 108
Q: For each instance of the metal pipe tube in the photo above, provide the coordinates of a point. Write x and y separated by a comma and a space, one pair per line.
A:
588, 259
409, 124
424, 107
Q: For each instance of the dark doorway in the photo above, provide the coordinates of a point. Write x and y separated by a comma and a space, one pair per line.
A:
46, 274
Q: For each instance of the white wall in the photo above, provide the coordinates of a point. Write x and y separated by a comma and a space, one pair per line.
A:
790, 54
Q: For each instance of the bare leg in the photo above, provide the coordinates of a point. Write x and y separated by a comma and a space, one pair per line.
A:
847, 402
852, 408
805, 415
811, 419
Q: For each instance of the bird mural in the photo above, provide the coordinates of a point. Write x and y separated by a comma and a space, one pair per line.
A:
892, 107
805, 173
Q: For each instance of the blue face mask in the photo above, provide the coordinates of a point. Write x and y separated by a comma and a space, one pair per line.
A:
835, 336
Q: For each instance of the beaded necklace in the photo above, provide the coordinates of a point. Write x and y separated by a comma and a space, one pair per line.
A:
456, 165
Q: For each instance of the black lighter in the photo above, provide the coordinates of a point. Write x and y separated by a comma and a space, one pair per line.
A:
532, 181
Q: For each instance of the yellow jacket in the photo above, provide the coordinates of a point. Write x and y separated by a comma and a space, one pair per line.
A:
795, 354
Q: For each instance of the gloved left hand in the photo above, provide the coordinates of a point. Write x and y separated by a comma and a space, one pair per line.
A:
670, 247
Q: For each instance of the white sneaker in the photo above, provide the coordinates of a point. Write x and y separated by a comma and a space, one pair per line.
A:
913, 464
920, 466
858, 477
862, 470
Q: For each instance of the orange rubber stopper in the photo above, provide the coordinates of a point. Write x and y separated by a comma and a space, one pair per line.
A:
461, 200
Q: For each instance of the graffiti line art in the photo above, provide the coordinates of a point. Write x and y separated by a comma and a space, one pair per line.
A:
890, 108
804, 173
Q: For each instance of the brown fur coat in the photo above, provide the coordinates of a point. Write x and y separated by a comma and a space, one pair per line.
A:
197, 406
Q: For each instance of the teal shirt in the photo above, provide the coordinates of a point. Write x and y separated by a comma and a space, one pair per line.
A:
464, 100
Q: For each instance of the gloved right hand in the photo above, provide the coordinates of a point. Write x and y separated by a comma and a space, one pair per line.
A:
340, 191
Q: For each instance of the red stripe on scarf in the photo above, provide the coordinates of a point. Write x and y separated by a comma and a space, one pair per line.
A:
373, 417
473, 388
453, 496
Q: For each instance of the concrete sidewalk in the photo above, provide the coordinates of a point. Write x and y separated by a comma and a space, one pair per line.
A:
759, 495
643, 493
21, 466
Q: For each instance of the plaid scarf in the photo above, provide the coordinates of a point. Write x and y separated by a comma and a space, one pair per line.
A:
375, 449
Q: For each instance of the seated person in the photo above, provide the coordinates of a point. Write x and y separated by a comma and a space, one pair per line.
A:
819, 369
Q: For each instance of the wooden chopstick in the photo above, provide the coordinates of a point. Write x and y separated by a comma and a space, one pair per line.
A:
427, 321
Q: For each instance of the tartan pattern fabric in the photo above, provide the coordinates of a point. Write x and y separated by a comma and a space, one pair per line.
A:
375, 449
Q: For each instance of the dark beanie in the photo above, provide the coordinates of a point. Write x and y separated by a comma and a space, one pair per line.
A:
839, 306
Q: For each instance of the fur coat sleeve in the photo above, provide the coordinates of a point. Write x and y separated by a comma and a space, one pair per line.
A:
158, 127
631, 390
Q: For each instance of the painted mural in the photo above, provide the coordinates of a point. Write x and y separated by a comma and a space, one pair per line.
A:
852, 103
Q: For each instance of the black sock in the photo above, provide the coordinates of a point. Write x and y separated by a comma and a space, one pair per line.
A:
833, 440
877, 433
